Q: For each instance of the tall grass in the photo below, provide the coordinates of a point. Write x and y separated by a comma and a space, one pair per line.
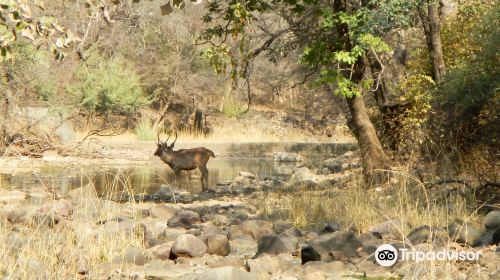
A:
145, 131
75, 247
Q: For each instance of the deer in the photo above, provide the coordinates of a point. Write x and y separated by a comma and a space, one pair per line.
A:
184, 159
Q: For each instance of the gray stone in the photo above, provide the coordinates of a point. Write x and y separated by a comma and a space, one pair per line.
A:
419, 235
346, 243
226, 273
287, 157
266, 264
133, 255
328, 270
256, 228
387, 227
162, 212
492, 220
188, 245
184, 218
218, 244
161, 252
275, 244
463, 233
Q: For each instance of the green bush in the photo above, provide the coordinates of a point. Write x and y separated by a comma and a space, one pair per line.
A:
145, 131
232, 108
107, 87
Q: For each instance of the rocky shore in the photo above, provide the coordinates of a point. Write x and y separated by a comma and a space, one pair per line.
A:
220, 234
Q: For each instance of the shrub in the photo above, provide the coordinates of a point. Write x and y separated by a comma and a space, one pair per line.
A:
107, 87
145, 131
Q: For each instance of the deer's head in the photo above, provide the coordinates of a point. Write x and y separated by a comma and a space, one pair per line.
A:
163, 149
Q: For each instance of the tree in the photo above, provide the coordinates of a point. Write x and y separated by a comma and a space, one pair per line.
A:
429, 16
334, 38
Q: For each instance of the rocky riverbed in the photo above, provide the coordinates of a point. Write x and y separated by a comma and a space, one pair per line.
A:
221, 234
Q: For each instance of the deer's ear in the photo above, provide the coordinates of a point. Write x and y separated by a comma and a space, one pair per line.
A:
159, 145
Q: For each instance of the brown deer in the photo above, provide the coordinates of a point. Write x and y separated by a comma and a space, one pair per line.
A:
185, 159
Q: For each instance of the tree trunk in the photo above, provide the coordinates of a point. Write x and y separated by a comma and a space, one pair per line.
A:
373, 156
432, 29
198, 122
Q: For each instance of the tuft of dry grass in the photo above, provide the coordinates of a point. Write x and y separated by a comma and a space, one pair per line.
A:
74, 246
404, 200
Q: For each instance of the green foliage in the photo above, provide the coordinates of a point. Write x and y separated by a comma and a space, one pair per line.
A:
475, 82
232, 108
29, 70
107, 87
17, 20
144, 131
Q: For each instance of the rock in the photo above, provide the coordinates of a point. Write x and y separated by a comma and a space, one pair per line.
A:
162, 212
161, 252
218, 244
227, 261
419, 235
184, 218
172, 233
13, 196
243, 246
256, 228
164, 270
492, 220
225, 273
303, 176
219, 220
342, 163
309, 254
248, 175
19, 215
387, 227
132, 255
188, 245
266, 264
370, 243
287, 157
281, 226
330, 227
275, 244
330, 270
346, 243
463, 233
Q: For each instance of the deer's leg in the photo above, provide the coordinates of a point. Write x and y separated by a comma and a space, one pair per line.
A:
204, 177
177, 173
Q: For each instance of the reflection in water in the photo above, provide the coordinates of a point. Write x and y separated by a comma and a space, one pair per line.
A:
145, 179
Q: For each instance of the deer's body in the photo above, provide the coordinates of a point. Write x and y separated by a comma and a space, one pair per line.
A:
185, 159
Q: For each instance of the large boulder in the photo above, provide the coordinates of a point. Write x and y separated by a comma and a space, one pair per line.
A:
256, 228
492, 220
184, 218
266, 264
386, 227
419, 235
275, 244
463, 233
218, 244
333, 244
162, 212
188, 245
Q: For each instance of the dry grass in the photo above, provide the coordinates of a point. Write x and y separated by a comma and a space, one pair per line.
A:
358, 208
239, 131
72, 247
